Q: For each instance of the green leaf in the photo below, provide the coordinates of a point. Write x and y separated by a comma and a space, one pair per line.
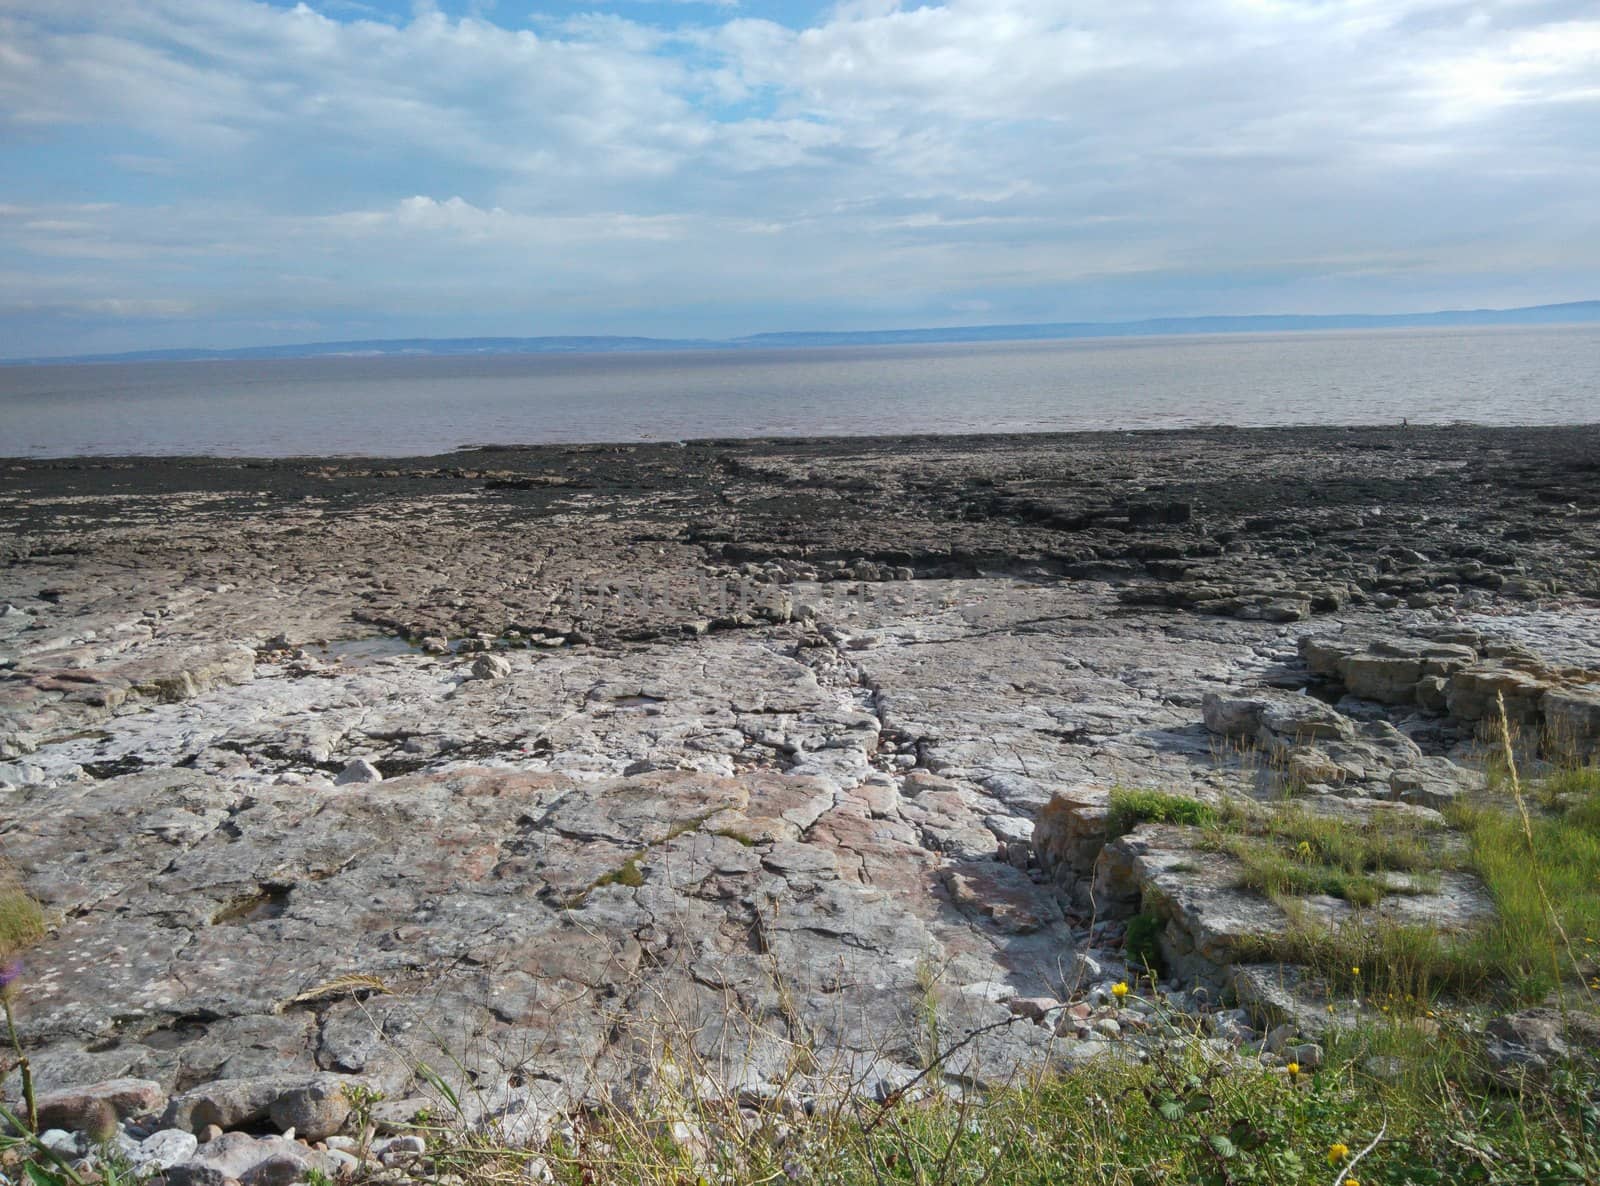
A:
40, 1176
1172, 1110
1196, 1104
1224, 1147
436, 1081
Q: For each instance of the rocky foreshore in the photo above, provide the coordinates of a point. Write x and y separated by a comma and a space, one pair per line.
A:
515, 768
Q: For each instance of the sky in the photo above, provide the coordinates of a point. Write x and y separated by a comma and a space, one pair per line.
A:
232, 172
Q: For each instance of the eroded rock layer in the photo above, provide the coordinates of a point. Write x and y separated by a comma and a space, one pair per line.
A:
524, 763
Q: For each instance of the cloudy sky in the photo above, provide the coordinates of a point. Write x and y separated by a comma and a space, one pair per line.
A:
232, 172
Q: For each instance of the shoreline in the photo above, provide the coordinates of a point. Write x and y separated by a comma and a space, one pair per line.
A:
780, 441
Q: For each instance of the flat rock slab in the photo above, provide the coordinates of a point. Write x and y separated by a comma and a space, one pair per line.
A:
737, 746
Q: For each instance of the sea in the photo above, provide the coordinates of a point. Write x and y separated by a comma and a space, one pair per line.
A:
406, 405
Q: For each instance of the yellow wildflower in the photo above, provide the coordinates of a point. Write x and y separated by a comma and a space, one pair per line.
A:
1337, 1152
1119, 989
1293, 1068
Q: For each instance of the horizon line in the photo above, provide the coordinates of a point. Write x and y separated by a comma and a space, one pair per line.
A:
1180, 325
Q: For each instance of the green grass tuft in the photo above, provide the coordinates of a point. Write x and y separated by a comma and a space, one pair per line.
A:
1132, 806
22, 921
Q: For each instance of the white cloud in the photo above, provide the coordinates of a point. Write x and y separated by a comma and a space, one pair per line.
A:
984, 154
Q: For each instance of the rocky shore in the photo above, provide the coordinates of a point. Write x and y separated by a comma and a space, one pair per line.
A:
519, 768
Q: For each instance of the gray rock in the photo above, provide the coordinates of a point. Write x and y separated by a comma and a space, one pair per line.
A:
1036, 1009
166, 1148
1279, 1037
315, 1111
225, 1103
490, 667
1537, 1040
1307, 1054
1572, 719
252, 1161
409, 1144
81, 1108
61, 1141
802, 811
358, 772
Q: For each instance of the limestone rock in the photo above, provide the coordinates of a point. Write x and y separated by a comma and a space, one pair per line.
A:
251, 1161
1068, 835
166, 1148
357, 773
490, 667
1572, 719
315, 1111
76, 1109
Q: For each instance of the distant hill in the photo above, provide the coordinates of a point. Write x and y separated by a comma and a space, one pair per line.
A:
1577, 312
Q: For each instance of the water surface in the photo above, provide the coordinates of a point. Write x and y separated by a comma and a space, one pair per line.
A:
396, 406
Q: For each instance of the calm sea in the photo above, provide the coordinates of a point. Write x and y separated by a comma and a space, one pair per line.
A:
411, 405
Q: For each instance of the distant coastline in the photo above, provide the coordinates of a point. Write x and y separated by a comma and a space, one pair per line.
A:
1570, 313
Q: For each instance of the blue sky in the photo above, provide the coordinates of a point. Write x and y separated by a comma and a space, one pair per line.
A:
232, 172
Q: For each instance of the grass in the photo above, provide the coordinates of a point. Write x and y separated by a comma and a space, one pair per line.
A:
1542, 872
1544, 875
627, 874
1182, 1116
1374, 958
22, 920
1132, 806
1291, 851
1570, 782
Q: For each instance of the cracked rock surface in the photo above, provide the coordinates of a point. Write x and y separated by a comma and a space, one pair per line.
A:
524, 762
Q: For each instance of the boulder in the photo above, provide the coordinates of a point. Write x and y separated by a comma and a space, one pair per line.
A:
1572, 720
1274, 720
490, 667
1475, 691
166, 1148
315, 1106
1539, 1039
78, 1109
251, 1161
1068, 835
315, 1111
226, 1103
